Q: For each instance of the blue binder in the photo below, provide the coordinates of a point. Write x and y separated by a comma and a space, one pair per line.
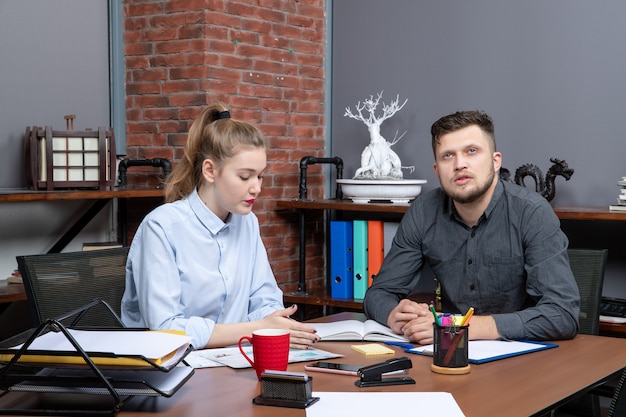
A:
341, 259
359, 233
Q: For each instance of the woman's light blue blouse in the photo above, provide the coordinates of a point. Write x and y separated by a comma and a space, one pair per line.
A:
188, 270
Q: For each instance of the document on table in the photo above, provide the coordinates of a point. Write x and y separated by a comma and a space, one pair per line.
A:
376, 404
482, 351
232, 357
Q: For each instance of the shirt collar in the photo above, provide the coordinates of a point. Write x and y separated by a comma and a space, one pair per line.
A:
497, 194
209, 219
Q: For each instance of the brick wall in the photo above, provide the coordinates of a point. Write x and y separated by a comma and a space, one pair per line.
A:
265, 59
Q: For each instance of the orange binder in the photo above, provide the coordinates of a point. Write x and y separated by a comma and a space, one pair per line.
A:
375, 248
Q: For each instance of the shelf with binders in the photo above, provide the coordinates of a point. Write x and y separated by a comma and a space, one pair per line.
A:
348, 210
563, 212
345, 219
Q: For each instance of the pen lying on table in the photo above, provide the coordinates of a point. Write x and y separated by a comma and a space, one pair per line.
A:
400, 344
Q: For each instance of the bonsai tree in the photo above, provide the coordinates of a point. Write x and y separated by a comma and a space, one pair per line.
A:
378, 160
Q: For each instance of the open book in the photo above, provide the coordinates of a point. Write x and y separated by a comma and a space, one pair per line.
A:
369, 330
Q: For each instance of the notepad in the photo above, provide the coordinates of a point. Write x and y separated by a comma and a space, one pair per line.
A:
482, 351
372, 349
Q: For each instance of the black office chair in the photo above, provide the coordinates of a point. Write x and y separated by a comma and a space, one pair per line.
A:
588, 266
58, 283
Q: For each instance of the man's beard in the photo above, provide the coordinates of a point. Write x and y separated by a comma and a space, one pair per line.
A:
472, 195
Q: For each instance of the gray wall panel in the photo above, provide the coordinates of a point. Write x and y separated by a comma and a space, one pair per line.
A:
550, 73
55, 61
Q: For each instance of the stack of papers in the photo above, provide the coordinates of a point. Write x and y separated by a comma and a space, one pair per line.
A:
120, 347
621, 197
611, 319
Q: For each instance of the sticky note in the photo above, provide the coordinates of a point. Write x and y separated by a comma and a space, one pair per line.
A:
372, 349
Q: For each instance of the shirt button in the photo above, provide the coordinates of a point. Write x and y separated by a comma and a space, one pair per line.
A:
473, 233
472, 287
469, 261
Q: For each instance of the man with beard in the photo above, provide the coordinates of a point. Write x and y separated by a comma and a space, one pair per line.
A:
492, 245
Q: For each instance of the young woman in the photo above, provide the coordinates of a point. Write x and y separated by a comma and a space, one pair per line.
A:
197, 262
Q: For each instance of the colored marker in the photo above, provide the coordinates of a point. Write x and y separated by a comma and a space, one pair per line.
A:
467, 316
432, 309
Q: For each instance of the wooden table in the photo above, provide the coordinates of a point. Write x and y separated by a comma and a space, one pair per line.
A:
522, 386
11, 292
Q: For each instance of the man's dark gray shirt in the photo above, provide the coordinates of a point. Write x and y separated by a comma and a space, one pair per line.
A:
512, 264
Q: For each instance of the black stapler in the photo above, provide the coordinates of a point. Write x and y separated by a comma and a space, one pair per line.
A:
372, 375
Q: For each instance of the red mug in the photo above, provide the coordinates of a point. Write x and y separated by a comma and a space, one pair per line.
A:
270, 350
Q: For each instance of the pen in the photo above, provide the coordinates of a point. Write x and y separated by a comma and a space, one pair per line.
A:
426, 352
467, 316
432, 309
400, 344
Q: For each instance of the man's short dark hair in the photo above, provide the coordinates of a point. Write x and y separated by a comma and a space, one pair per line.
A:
459, 120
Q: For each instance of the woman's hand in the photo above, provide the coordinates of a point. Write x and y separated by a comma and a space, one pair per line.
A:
301, 335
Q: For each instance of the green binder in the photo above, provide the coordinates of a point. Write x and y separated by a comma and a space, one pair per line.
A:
359, 230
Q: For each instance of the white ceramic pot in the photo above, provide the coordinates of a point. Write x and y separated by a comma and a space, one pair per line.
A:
363, 191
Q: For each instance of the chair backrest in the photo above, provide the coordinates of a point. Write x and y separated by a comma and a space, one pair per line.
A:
58, 283
588, 268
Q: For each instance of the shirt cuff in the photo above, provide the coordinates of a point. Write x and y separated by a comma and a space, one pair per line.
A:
509, 326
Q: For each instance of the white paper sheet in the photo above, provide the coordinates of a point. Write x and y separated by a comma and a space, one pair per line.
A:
232, 357
377, 404
481, 351
150, 344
